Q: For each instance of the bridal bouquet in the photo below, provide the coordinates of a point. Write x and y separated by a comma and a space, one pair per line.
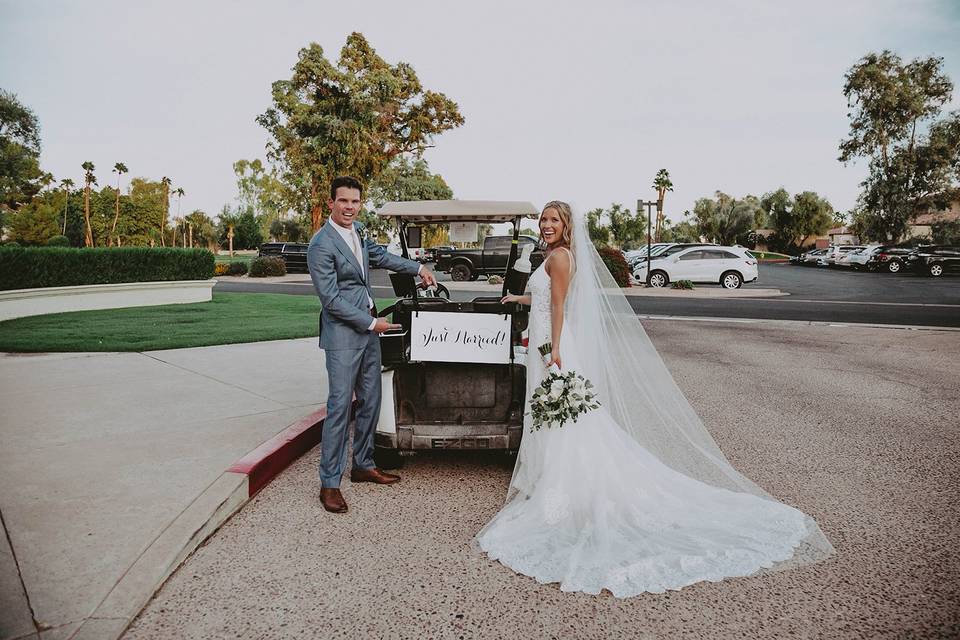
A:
561, 397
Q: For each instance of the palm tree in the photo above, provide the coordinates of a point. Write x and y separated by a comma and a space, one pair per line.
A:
67, 183
165, 181
89, 179
662, 183
119, 169
179, 193
229, 220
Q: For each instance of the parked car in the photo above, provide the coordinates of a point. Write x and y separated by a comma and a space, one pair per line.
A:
728, 266
890, 258
858, 259
811, 257
293, 254
934, 260
469, 264
641, 253
835, 252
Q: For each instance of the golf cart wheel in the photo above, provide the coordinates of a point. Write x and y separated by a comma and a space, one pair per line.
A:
894, 266
731, 280
658, 279
386, 458
460, 272
936, 270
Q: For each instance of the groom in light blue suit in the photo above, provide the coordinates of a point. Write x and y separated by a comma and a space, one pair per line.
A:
339, 258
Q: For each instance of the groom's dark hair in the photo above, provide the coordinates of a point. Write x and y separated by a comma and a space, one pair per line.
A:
344, 181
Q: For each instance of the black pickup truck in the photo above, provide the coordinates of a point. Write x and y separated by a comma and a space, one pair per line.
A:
470, 264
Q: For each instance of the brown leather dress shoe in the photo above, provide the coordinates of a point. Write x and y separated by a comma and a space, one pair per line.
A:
332, 500
372, 475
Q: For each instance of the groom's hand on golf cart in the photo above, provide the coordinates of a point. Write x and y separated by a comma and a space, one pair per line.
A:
427, 276
382, 324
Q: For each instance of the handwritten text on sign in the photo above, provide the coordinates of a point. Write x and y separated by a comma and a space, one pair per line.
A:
459, 337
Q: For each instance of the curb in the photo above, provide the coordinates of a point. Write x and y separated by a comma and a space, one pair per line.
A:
224, 497
265, 462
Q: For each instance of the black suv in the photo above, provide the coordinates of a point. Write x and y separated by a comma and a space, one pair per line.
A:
293, 254
934, 260
890, 258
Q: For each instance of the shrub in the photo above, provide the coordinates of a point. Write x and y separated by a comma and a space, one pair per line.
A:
267, 267
682, 284
495, 280
220, 268
58, 241
12, 244
239, 269
36, 267
616, 264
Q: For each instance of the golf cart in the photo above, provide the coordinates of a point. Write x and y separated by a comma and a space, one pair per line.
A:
452, 377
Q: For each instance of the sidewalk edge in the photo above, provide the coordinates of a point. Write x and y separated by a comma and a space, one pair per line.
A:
208, 512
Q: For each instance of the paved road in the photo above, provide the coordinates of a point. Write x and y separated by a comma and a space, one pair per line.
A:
815, 294
869, 450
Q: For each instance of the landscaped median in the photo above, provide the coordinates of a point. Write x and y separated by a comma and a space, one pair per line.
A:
45, 280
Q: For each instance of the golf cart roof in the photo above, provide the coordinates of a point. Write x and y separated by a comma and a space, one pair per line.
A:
433, 211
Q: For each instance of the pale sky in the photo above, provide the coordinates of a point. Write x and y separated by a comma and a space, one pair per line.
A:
574, 101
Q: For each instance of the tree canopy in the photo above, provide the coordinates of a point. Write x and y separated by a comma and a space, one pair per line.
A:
352, 117
20, 174
913, 157
724, 218
794, 220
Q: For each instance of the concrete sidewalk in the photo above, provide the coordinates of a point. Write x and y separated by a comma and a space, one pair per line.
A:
114, 464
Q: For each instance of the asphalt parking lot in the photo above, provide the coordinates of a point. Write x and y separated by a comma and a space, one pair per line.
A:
855, 426
813, 295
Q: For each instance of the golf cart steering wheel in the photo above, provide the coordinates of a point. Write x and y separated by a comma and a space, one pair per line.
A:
441, 291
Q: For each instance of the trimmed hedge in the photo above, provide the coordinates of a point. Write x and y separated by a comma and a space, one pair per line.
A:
616, 264
267, 267
37, 267
58, 241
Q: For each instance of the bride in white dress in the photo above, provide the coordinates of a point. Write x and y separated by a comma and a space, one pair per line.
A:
635, 496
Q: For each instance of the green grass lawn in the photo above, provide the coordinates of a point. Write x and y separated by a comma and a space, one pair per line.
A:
225, 257
228, 318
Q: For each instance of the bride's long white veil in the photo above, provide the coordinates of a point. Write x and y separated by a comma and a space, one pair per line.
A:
638, 391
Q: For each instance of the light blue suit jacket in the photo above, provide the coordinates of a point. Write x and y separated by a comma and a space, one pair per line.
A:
342, 286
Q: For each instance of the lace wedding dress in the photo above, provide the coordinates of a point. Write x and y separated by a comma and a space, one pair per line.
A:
592, 509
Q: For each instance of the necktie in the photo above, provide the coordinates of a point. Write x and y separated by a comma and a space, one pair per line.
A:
356, 251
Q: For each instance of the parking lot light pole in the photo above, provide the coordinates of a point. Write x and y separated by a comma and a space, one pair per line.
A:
649, 204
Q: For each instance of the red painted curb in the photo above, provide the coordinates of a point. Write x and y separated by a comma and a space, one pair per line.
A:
265, 462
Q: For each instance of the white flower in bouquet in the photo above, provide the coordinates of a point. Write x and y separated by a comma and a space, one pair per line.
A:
560, 397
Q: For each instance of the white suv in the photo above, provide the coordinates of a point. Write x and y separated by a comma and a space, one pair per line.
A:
728, 266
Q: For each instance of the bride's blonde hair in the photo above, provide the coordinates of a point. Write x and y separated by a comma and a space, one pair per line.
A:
566, 217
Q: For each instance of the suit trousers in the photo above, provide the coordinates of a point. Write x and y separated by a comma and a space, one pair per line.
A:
349, 371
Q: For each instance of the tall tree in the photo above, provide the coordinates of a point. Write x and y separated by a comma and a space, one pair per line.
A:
795, 220
912, 156
179, 192
229, 221
662, 183
350, 118
118, 168
403, 180
67, 183
166, 182
725, 217
88, 179
19, 152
